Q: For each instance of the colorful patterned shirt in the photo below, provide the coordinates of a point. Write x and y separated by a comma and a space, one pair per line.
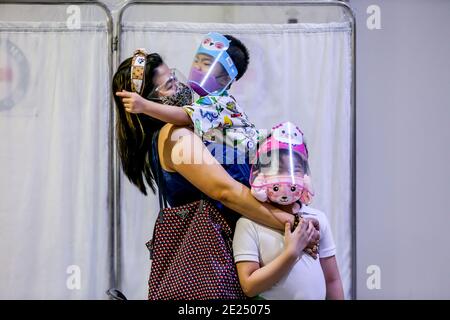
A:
219, 119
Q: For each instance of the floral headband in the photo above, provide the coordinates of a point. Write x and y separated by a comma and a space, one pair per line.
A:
138, 70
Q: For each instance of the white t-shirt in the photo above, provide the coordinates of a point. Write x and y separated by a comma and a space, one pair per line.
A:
258, 243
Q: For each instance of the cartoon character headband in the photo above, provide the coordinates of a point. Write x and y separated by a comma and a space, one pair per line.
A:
138, 70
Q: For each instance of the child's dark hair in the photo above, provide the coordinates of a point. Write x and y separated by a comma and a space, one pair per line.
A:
239, 54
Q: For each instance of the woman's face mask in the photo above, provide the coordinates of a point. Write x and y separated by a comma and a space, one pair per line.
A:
182, 96
173, 91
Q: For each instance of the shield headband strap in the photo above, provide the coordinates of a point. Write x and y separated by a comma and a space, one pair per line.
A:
138, 70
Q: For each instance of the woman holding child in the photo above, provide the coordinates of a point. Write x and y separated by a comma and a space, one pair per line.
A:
146, 143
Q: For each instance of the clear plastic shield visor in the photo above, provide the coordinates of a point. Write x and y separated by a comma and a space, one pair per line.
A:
281, 166
175, 87
208, 75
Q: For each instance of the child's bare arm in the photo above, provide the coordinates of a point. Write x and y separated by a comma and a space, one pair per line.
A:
255, 280
167, 113
135, 103
332, 278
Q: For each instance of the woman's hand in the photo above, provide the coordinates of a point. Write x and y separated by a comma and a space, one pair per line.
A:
132, 101
296, 241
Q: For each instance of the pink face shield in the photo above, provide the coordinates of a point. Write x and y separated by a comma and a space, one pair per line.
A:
282, 161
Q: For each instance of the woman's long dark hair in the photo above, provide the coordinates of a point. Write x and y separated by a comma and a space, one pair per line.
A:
135, 131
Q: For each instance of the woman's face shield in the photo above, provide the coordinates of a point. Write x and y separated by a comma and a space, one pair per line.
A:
173, 90
169, 84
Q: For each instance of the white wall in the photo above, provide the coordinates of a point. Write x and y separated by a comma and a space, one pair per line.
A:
403, 154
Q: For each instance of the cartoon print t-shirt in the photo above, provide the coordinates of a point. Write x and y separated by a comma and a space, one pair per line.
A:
219, 119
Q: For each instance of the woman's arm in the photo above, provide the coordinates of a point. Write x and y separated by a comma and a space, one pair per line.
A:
189, 157
332, 278
255, 280
134, 103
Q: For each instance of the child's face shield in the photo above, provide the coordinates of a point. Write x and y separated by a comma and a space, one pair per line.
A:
279, 166
282, 159
212, 70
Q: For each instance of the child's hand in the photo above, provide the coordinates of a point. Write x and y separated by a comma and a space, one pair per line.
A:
313, 247
295, 242
132, 101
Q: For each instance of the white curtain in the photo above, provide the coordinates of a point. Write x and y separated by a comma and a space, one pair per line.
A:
54, 106
297, 72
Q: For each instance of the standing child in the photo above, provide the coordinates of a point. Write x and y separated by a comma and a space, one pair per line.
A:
272, 264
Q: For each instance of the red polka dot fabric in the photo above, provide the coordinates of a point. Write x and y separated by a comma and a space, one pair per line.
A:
192, 255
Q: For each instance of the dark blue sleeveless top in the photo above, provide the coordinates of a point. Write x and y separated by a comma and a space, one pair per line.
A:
178, 191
